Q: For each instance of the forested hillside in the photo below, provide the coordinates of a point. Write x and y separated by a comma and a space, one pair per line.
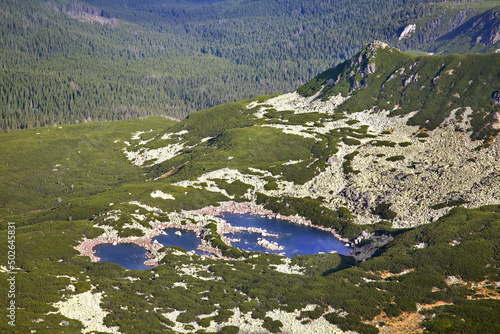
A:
453, 28
478, 34
65, 61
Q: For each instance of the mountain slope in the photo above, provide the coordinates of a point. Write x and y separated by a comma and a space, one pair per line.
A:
384, 129
428, 85
420, 207
439, 24
480, 34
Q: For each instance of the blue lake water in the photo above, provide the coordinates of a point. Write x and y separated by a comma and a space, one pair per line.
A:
130, 256
187, 240
296, 239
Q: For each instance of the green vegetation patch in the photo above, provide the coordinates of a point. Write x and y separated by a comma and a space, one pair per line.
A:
88, 160
451, 203
351, 322
235, 188
422, 135
273, 185
396, 158
347, 164
383, 143
214, 121
236, 143
383, 210
460, 244
274, 326
466, 316
351, 141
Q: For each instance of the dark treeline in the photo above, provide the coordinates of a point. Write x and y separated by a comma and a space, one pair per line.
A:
65, 61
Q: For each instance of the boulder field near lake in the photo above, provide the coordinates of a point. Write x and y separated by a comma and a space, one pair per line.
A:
395, 154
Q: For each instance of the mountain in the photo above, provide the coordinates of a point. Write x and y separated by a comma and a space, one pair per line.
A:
430, 87
480, 34
379, 148
448, 27
65, 61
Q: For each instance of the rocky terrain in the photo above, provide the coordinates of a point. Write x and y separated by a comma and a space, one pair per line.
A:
421, 174
444, 167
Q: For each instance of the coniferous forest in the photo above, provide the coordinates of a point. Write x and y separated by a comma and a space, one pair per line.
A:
66, 61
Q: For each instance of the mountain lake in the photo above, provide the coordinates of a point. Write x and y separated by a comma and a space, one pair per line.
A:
291, 238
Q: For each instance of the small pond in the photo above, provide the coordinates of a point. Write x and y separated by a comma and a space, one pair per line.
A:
130, 256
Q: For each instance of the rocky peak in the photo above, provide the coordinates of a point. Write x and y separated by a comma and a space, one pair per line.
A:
373, 46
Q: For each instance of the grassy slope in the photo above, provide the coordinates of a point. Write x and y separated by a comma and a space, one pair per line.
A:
234, 134
72, 161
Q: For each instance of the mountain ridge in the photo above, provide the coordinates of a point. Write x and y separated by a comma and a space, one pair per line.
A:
475, 73
479, 34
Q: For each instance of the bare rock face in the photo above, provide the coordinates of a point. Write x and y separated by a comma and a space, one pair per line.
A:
411, 79
332, 160
494, 38
377, 45
362, 200
361, 253
407, 31
370, 69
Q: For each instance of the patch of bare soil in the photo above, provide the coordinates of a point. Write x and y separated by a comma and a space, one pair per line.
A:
412, 322
387, 274
406, 322
486, 292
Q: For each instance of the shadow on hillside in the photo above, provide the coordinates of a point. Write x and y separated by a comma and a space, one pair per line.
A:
345, 262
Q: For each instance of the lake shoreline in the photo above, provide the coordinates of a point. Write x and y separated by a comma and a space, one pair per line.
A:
86, 247
254, 209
